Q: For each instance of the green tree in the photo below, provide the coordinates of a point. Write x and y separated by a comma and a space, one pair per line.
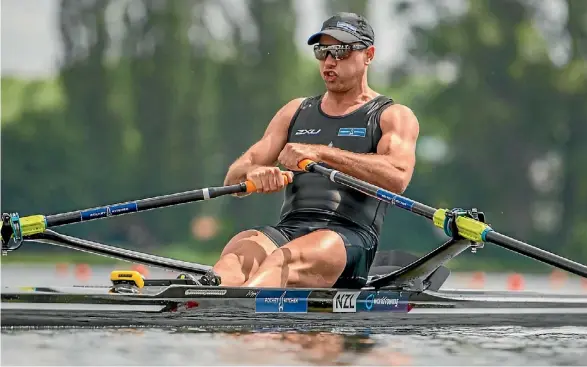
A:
85, 80
571, 87
263, 75
500, 114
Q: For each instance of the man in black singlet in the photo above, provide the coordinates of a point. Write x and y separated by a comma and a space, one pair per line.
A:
327, 234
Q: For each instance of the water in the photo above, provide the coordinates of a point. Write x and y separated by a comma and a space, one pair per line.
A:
422, 346
382, 345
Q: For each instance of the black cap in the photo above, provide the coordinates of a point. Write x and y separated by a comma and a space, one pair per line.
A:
346, 28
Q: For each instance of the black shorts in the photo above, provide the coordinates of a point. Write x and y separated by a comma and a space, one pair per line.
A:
360, 243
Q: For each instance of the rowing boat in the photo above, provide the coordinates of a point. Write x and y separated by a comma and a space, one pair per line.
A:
176, 302
402, 289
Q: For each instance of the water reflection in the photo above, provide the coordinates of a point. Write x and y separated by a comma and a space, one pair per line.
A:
385, 345
294, 346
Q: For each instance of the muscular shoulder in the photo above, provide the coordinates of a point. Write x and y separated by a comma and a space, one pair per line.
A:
288, 110
400, 119
279, 124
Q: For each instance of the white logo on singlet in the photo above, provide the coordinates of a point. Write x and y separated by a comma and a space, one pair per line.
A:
308, 132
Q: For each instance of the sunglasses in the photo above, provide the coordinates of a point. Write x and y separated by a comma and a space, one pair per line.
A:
338, 52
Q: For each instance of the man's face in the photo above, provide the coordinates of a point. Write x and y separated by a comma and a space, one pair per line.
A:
343, 75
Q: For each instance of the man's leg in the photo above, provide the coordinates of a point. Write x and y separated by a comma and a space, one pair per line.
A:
313, 260
242, 257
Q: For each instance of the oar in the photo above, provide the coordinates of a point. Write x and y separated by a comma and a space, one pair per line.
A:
468, 228
20, 228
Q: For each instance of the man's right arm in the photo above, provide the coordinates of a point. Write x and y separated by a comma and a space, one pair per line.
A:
265, 152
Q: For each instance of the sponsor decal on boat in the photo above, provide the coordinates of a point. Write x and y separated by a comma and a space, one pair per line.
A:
280, 301
205, 292
252, 293
382, 301
345, 302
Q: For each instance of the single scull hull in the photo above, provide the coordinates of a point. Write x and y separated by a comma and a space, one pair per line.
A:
196, 306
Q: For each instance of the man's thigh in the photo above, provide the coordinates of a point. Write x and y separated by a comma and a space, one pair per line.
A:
331, 257
316, 259
360, 250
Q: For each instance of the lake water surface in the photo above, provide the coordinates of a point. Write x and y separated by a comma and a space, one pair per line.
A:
379, 345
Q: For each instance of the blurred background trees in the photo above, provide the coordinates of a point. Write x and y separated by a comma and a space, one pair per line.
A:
154, 97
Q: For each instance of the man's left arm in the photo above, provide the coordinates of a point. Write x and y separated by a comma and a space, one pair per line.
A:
393, 164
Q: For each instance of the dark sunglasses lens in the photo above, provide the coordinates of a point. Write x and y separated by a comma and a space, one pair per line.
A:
341, 53
320, 53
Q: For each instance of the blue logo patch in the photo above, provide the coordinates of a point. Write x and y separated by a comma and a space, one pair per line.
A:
382, 301
280, 301
394, 199
107, 211
352, 131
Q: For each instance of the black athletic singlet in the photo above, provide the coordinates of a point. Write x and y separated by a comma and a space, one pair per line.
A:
314, 202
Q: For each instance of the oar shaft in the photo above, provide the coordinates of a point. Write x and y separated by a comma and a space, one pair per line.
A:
370, 189
468, 228
57, 239
35, 224
536, 253
18, 228
143, 204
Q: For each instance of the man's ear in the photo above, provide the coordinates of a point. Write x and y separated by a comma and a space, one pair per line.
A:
370, 53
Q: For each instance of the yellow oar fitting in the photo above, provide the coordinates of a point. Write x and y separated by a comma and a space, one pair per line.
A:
468, 228
32, 225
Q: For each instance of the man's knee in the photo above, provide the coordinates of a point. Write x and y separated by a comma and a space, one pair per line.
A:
243, 255
237, 241
279, 257
247, 247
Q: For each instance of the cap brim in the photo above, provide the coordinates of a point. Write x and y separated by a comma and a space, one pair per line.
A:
337, 34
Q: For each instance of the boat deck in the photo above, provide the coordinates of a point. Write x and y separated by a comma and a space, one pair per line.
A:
217, 307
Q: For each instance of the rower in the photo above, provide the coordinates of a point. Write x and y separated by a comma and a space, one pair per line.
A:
328, 234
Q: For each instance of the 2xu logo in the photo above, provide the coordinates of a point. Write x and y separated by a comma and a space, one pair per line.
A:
345, 302
308, 132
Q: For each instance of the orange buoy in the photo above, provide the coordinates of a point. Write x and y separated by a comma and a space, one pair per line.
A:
61, 269
477, 280
557, 278
141, 269
83, 272
515, 282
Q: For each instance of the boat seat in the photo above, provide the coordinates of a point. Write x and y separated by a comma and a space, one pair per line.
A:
386, 262
383, 269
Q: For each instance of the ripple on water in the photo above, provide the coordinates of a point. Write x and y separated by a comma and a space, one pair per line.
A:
339, 346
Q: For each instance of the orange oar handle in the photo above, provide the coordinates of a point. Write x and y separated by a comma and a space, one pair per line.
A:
305, 163
252, 188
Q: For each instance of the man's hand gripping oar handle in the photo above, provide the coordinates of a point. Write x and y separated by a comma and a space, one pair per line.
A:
252, 188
